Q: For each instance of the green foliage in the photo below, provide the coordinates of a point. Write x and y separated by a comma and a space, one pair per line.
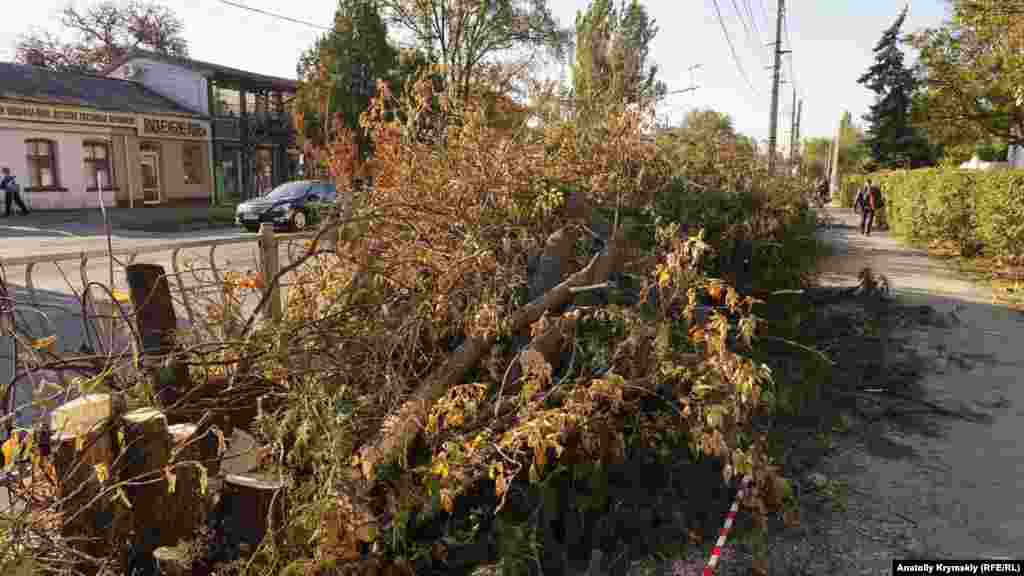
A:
339, 72
466, 38
973, 71
892, 139
973, 209
612, 50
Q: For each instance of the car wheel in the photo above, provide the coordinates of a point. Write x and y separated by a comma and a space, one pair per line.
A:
299, 221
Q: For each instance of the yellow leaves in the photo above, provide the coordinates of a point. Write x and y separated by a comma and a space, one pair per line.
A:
663, 275
204, 479
440, 468
11, 450
49, 343
172, 479
447, 501
102, 472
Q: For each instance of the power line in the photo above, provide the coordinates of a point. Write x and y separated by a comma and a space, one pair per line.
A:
753, 19
732, 48
739, 14
327, 29
278, 16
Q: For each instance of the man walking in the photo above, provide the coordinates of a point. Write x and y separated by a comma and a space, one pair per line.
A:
12, 192
868, 200
823, 194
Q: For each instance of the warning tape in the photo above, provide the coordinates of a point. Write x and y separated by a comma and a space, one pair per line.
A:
730, 518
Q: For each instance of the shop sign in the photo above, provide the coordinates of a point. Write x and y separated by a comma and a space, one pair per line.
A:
172, 128
31, 112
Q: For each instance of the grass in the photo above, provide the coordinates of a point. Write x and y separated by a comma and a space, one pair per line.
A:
1007, 287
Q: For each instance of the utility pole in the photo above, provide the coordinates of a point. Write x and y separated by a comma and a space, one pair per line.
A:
776, 68
834, 168
796, 138
792, 129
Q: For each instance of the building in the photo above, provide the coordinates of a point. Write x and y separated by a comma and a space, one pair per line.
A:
252, 133
68, 135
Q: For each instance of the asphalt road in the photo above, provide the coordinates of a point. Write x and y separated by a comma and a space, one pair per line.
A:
56, 309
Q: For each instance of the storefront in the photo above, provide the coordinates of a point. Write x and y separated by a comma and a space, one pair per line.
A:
63, 156
71, 139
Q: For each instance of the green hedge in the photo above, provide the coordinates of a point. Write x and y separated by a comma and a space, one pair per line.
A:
976, 210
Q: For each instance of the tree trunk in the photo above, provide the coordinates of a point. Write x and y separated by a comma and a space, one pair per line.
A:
147, 452
400, 428
154, 309
251, 502
83, 453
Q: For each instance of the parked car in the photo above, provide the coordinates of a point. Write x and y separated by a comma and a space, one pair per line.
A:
292, 205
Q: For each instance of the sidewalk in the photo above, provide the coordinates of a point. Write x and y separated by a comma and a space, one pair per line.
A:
157, 219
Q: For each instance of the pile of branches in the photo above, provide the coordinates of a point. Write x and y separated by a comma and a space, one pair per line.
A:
485, 313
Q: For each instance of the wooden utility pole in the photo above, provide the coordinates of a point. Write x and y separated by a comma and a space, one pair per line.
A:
776, 69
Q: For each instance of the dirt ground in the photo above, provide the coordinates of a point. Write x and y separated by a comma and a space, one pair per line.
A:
927, 463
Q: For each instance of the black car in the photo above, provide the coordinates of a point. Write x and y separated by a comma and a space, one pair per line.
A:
292, 205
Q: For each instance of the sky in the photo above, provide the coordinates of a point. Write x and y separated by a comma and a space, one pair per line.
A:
831, 43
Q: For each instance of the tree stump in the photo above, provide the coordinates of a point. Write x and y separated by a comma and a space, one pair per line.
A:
189, 504
172, 561
251, 503
82, 452
154, 314
146, 454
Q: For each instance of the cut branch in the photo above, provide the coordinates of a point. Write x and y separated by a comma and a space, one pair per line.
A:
401, 428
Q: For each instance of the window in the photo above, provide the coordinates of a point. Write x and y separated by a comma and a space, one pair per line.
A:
326, 192
193, 164
97, 165
42, 168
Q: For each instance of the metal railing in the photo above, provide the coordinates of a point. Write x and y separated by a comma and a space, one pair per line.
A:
123, 257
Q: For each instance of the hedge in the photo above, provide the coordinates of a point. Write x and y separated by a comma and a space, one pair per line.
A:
979, 211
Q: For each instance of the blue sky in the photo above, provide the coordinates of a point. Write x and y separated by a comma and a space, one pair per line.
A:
831, 42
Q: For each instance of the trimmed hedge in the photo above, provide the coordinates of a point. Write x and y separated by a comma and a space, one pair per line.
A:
979, 211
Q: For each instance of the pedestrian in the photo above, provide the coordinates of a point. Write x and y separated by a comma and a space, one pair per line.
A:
869, 199
823, 191
12, 192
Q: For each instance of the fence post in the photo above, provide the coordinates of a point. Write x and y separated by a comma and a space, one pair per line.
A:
270, 265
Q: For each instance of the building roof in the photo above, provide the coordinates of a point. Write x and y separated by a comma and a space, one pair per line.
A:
210, 70
35, 84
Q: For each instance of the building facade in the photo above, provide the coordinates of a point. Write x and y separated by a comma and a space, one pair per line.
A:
72, 139
253, 140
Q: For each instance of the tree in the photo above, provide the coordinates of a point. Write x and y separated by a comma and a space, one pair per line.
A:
612, 56
101, 33
338, 74
891, 137
973, 72
465, 36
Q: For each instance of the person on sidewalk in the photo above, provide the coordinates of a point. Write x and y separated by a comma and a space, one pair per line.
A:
823, 194
12, 192
869, 199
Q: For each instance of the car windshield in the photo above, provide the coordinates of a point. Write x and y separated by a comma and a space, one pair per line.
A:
287, 191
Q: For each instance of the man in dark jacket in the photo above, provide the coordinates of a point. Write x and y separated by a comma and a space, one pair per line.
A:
869, 199
12, 192
823, 191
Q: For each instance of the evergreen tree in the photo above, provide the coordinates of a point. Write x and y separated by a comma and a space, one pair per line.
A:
612, 56
891, 138
341, 70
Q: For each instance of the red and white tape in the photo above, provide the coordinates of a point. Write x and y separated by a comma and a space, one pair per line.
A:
730, 518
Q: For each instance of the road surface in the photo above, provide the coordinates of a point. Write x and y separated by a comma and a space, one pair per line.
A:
57, 310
